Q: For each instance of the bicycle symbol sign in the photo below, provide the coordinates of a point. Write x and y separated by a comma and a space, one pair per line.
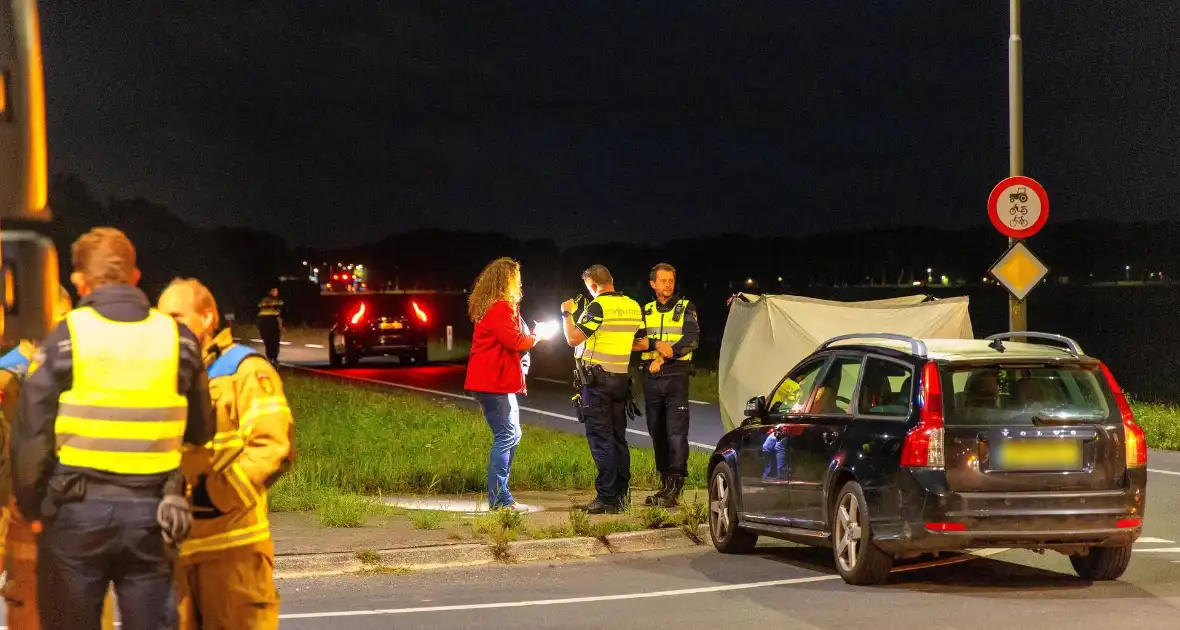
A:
1018, 207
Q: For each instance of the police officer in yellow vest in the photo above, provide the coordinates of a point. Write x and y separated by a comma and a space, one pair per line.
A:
270, 324
112, 395
609, 327
672, 334
225, 576
20, 538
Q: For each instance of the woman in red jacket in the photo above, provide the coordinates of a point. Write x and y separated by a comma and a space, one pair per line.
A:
497, 367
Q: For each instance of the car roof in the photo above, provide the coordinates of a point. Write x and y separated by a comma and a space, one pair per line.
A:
952, 350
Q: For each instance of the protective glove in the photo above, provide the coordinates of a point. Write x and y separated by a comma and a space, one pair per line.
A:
175, 517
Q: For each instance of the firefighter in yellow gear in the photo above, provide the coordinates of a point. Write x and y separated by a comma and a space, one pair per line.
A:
20, 537
225, 572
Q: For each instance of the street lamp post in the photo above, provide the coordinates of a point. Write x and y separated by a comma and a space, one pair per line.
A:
1017, 311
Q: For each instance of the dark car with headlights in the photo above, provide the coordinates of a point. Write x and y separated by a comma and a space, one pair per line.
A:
380, 325
887, 447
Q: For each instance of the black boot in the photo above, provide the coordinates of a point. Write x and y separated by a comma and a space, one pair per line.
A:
665, 481
598, 506
671, 498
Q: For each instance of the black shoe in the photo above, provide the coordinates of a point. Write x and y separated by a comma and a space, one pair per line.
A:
671, 499
665, 480
598, 506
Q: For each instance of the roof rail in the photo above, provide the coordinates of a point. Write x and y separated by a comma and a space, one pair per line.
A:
1070, 344
918, 347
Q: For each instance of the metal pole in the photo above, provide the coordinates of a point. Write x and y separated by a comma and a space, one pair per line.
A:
1017, 310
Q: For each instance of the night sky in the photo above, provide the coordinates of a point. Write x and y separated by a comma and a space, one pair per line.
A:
339, 122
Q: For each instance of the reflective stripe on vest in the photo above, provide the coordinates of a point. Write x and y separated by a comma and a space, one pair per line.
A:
123, 413
610, 345
269, 307
661, 326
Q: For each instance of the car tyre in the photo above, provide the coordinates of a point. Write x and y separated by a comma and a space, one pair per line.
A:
1102, 563
727, 535
858, 560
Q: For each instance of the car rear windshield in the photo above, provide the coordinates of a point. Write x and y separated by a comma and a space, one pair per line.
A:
1025, 395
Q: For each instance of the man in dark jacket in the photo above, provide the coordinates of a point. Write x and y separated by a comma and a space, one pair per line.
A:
111, 396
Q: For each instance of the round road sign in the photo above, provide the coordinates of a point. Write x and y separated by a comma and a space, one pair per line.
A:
1018, 207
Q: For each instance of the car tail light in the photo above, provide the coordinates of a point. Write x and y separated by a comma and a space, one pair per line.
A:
923, 447
359, 314
1128, 523
946, 527
419, 312
1134, 439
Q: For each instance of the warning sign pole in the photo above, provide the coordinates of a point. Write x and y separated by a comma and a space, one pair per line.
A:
1017, 310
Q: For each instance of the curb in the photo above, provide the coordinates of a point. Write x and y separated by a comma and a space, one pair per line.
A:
476, 554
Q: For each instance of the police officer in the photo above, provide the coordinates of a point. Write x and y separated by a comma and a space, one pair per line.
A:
112, 395
225, 575
670, 324
609, 327
20, 538
270, 324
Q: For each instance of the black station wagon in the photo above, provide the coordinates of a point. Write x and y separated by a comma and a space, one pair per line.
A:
887, 447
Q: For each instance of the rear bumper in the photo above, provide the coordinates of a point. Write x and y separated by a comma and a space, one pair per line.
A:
388, 344
1049, 519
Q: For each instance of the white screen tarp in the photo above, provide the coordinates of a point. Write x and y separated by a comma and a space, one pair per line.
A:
767, 336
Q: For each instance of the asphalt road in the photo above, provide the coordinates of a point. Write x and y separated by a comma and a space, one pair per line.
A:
778, 586
547, 403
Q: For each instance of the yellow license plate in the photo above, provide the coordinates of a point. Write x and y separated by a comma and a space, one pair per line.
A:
391, 326
1030, 455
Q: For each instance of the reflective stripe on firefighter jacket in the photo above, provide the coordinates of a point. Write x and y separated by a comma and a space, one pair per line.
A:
270, 307
667, 326
123, 413
253, 446
610, 345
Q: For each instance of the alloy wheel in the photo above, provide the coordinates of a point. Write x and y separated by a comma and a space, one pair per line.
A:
848, 532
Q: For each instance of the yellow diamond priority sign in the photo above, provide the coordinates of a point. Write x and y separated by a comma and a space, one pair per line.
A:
1019, 271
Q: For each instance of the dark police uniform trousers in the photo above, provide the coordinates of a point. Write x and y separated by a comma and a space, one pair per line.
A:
268, 329
604, 407
665, 400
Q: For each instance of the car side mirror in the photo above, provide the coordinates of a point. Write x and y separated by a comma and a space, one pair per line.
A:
755, 408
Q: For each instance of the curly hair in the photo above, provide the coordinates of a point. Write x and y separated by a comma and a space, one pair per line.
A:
496, 282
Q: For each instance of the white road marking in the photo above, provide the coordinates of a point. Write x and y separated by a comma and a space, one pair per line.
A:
551, 380
257, 340
1152, 541
1158, 550
313, 345
699, 402
1164, 472
625, 596
436, 392
284, 343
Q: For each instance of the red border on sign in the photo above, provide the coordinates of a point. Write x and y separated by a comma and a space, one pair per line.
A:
993, 208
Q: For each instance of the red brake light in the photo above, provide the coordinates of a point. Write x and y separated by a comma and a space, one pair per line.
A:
923, 447
360, 313
1135, 439
1128, 523
419, 312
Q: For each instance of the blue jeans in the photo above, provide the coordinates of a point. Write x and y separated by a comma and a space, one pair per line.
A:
503, 417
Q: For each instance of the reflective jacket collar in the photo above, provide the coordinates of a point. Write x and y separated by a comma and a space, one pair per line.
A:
221, 342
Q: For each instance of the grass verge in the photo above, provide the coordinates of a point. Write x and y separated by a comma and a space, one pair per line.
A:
1161, 423
355, 442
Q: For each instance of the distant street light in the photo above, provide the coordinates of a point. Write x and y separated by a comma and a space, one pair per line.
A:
1128, 270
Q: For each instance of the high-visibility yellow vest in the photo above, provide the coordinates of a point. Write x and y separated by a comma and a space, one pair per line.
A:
667, 327
270, 307
610, 345
123, 413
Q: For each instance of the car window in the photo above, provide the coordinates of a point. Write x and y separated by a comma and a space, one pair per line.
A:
791, 394
887, 388
835, 394
1015, 395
